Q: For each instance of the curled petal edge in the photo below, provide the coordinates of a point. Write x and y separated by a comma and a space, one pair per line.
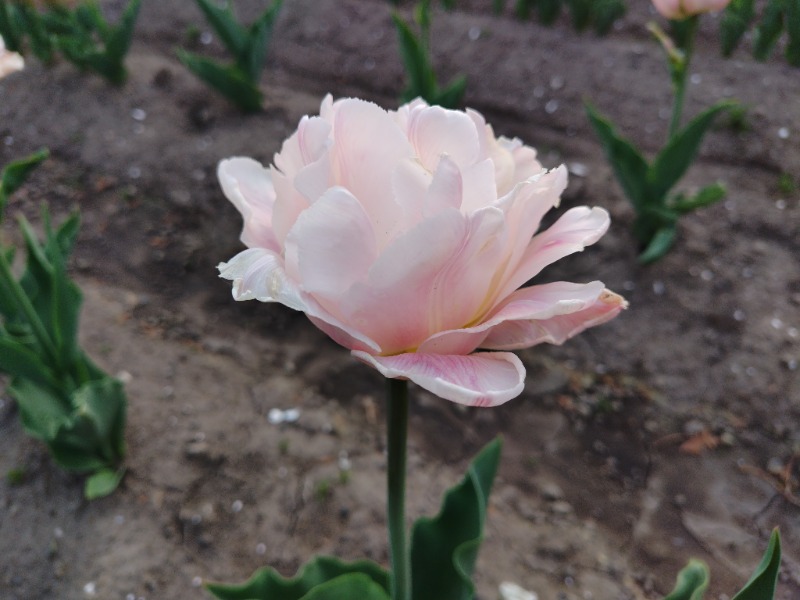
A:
482, 379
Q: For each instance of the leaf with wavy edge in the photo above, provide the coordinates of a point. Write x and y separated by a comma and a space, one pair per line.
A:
444, 548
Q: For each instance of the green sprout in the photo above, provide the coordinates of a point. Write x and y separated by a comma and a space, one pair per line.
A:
63, 398
82, 35
600, 14
238, 81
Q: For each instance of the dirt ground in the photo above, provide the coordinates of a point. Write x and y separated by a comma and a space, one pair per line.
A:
667, 434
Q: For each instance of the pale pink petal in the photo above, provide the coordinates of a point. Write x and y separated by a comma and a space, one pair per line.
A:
445, 190
313, 138
9, 61
567, 317
482, 379
479, 186
410, 183
577, 228
550, 312
331, 246
435, 131
289, 203
258, 274
248, 185
365, 167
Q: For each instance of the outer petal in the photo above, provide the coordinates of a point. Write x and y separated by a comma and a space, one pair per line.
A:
331, 246
577, 228
551, 312
248, 185
482, 379
534, 315
435, 131
259, 274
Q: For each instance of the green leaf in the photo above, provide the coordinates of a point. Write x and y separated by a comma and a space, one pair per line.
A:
268, 584
230, 81
42, 409
103, 403
119, 39
735, 21
629, 165
691, 583
769, 29
15, 173
421, 79
793, 29
444, 549
761, 585
17, 360
705, 197
605, 14
676, 157
255, 52
581, 12
102, 483
659, 244
548, 10
232, 35
352, 586
451, 96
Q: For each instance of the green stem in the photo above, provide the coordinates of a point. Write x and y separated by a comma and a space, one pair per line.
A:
684, 32
13, 286
397, 429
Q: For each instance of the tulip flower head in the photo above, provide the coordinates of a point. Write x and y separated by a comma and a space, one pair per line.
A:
683, 9
9, 61
406, 235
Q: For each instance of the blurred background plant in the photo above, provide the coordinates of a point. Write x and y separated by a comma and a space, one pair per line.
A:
238, 82
598, 14
775, 18
63, 398
415, 50
647, 184
80, 33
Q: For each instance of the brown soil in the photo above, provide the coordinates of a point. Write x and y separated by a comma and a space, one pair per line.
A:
597, 496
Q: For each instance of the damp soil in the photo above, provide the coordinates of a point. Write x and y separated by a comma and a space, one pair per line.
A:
667, 434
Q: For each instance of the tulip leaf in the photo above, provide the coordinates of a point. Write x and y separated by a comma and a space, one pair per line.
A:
735, 21
444, 548
629, 165
659, 244
251, 61
348, 587
705, 197
230, 81
421, 79
42, 409
764, 580
793, 29
15, 173
102, 483
17, 360
676, 157
268, 584
119, 38
451, 96
691, 583
222, 20
769, 29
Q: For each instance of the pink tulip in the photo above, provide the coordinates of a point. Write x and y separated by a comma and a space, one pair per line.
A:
405, 237
9, 61
681, 9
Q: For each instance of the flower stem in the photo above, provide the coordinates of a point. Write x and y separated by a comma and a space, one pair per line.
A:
683, 32
397, 428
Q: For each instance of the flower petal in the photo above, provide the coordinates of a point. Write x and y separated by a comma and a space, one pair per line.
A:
577, 228
551, 313
435, 131
482, 379
331, 246
248, 185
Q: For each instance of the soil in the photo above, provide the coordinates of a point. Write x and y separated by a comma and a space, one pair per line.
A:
667, 434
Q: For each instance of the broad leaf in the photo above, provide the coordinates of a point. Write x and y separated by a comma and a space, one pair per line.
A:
707, 196
232, 35
769, 29
659, 244
761, 585
444, 549
102, 483
17, 360
691, 583
42, 409
103, 402
119, 39
679, 153
268, 584
793, 29
353, 586
421, 79
628, 163
15, 173
231, 82
735, 21
255, 51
